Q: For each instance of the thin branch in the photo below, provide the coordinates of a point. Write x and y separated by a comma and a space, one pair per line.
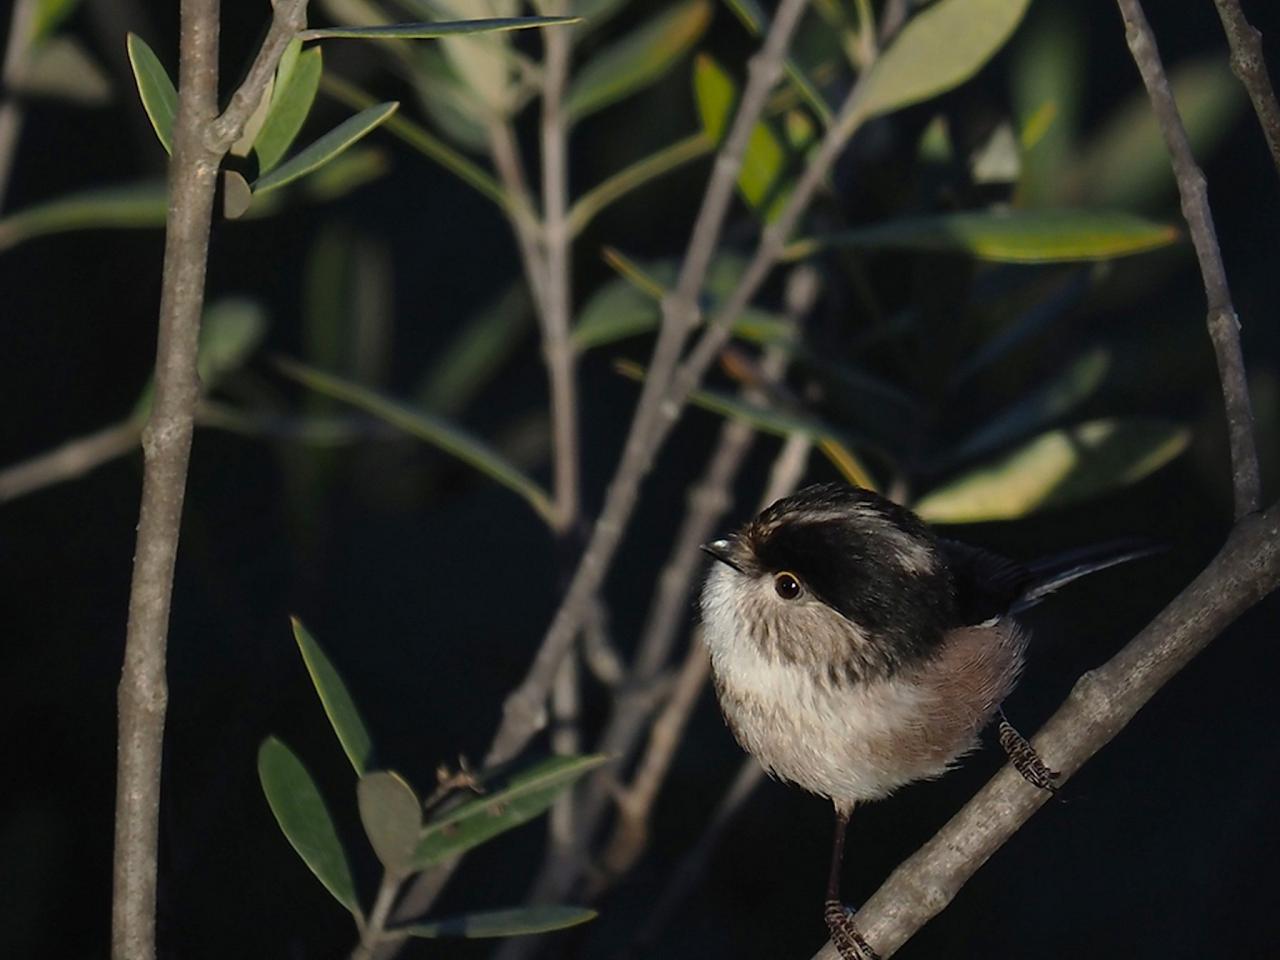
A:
166, 444
374, 932
70, 460
506, 160
557, 350
1250, 67
1224, 326
17, 53
523, 710
1099, 706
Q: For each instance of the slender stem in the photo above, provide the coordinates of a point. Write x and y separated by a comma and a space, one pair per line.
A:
70, 460
1224, 326
523, 709
16, 55
1249, 66
166, 443
374, 930
1099, 706
506, 160
557, 240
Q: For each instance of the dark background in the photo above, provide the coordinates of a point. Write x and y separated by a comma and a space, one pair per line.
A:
431, 587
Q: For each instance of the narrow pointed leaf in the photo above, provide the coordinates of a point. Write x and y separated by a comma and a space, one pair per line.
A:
657, 164
429, 30
290, 104
341, 137
638, 60
392, 817
939, 48
304, 819
437, 432
516, 922
132, 207
336, 700
159, 96
715, 94
1008, 236
525, 796
1057, 468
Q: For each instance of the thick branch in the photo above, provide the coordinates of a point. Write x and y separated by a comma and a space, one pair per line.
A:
166, 443
1102, 702
1224, 326
1249, 66
523, 711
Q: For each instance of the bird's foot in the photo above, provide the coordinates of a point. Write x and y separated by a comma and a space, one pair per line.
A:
844, 934
1024, 758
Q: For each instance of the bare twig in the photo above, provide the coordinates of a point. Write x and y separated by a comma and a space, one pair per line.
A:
1224, 326
374, 930
1102, 702
166, 444
17, 52
524, 707
288, 19
1249, 66
70, 460
506, 160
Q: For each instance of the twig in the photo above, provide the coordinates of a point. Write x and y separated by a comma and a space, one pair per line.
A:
523, 709
69, 461
374, 931
1249, 66
16, 56
1224, 326
166, 444
1099, 706
556, 314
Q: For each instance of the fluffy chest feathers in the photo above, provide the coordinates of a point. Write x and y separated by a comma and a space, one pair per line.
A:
803, 707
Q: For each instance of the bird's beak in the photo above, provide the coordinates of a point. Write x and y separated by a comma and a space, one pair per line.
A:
720, 550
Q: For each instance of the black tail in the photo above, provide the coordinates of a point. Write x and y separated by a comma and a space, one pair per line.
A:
1050, 574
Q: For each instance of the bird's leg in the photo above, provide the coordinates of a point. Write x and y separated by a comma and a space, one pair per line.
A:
844, 934
1024, 758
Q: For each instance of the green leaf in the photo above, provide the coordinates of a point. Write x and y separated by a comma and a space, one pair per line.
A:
159, 96
131, 207
1052, 400
341, 137
1057, 468
1009, 236
304, 820
502, 923
439, 433
429, 30
715, 94
231, 330
638, 60
392, 816
636, 175
619, 309
336, 700
49, 15
939, 48
291, 101
525, 796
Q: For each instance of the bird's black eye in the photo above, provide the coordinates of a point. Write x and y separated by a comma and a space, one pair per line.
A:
787, 585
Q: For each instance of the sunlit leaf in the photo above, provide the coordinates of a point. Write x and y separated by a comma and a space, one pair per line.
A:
131, 207
336, 700
159, 96
1011, 236
939, 48
1056, 468
523, 797
340, 138
439, 433
638, 60
715, 94
516, 922
1047, 403
304, 820
392, 817
431, 30
290, 103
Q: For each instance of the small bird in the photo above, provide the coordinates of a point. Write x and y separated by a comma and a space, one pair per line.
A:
854, 651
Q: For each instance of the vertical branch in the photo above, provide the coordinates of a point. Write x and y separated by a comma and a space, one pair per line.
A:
1249, 66
166, 444
557, 313
1224, 326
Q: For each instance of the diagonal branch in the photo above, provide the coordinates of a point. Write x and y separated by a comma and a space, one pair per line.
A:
1249, 66
1102, 702
1224, 326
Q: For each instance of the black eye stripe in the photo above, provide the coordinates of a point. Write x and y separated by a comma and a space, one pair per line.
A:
787, 586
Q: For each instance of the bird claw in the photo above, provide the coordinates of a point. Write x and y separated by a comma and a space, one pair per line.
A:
849, 942
1024, 758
